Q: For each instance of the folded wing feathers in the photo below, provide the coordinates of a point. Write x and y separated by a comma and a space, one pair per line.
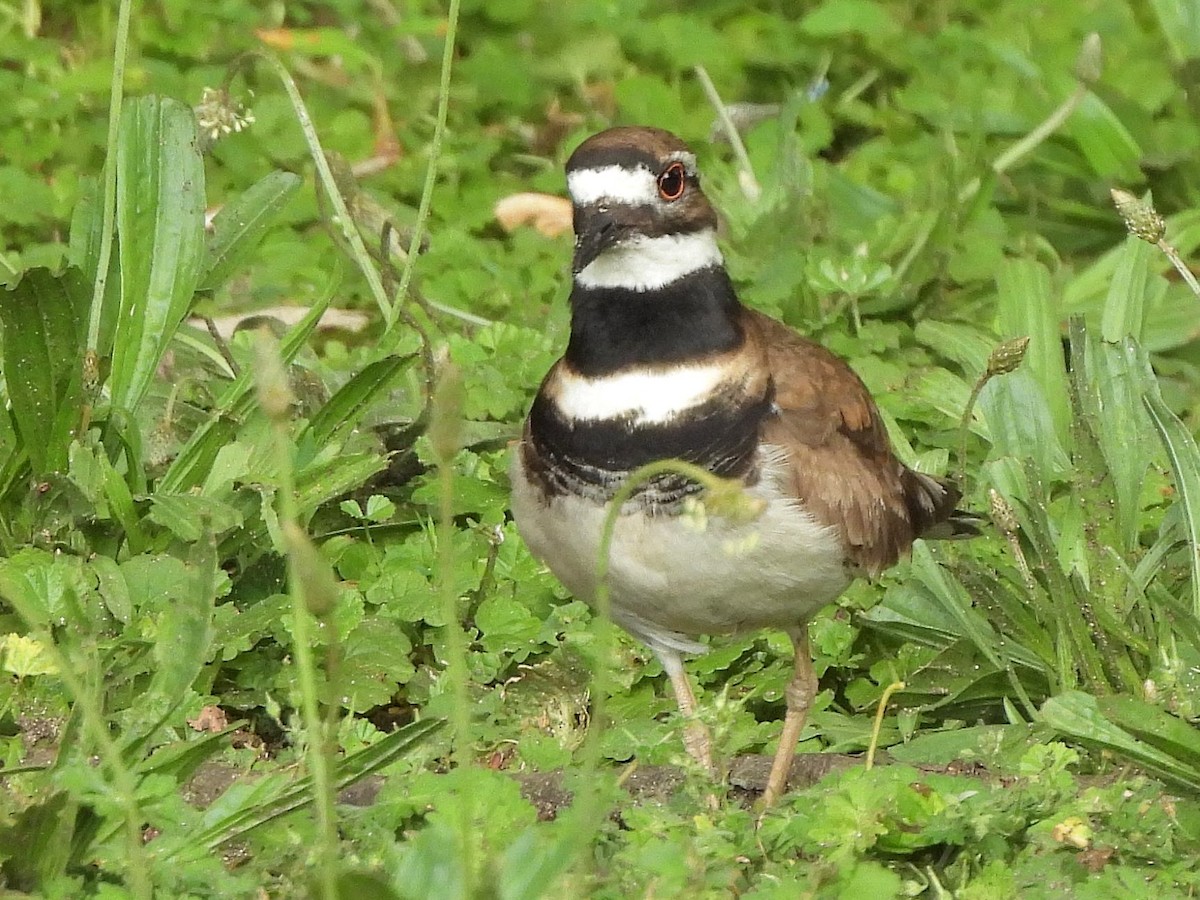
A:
933, 508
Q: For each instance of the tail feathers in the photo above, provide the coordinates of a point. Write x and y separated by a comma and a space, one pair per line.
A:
960, 525
933, 508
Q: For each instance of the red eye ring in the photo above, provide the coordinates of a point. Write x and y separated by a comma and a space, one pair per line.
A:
672, 181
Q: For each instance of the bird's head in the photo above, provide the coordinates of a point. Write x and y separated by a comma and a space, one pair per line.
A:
641, 219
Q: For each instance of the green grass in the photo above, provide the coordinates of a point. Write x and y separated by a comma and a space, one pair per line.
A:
268, 568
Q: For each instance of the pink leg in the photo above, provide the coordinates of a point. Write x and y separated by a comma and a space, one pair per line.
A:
695, 737
800, 692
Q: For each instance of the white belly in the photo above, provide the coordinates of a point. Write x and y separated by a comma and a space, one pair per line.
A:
670, 578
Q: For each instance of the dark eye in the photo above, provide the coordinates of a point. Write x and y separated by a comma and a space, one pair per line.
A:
672, 181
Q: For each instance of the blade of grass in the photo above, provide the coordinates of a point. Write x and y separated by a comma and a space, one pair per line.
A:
241, 224
192, 464
116, 102
1185, 465
950, 593
344, 219
435, 155
1156, 727
298, 793
1125, 304
445, 439
345, 408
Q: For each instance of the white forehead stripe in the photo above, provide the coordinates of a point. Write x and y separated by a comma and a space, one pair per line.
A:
648, 263
616, 184
633, 186
646, 398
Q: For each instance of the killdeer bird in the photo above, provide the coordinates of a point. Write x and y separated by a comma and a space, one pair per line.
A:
664, 362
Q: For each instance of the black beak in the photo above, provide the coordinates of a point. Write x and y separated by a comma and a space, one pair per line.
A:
595, 231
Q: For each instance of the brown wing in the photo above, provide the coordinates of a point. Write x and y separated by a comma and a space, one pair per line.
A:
842, 466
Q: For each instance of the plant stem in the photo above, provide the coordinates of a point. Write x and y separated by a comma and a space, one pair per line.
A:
275, 396
435, 155
341, 213
877, 727
1029, 142
445, 440
306, 671
1047, 127
964, 428
1180, 266
109, 210
750, 186
589, 803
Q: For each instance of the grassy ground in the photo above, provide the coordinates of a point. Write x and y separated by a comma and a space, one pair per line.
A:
266, 627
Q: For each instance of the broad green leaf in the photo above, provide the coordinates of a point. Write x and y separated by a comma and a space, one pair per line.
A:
912, 612
1020, 423
189, 517
42, 358
432, 867
43, 832
956, 606
35, 584
86, 473
1156, 726
181, 759
1113, 379
182, 639
112, 588
858, 204
192, 341
331, 478
536, 859
22, 656
364, 884
1027, 306
120, 502
976, 742
840, 17
948, 394
375, 661
83, 249
967, 345
1179, 22
199, 454
241, 224
1125, 306
1078, 716
160, 221
13, 457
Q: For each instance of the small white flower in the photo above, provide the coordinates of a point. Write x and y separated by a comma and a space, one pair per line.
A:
219, 114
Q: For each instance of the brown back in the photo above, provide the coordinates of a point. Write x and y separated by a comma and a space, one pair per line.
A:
843, 468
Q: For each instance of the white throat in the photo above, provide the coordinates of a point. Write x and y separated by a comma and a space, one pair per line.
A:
643, 397
649, 263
